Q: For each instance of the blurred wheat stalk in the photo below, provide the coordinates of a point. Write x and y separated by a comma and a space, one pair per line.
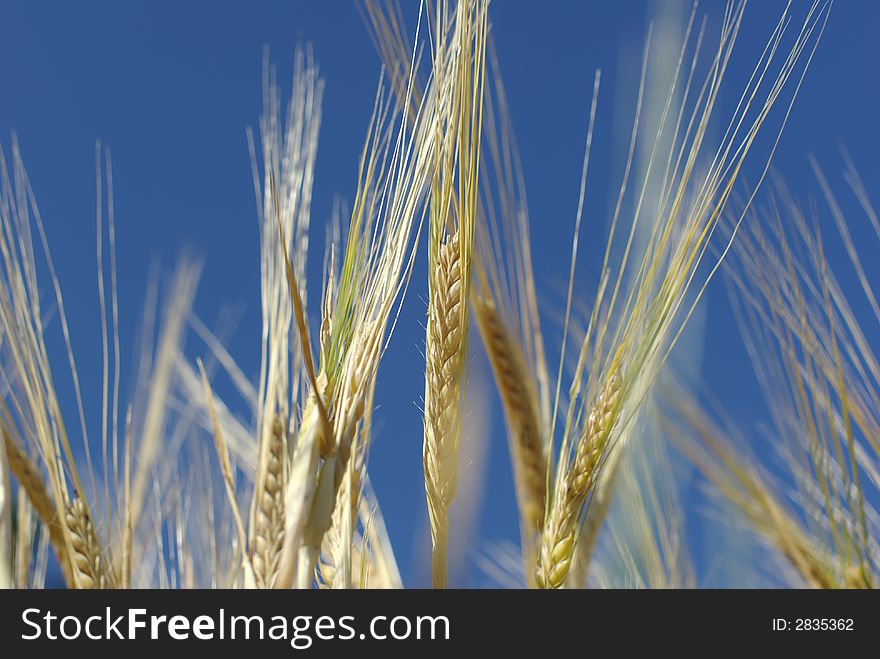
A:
281, 497
820, 376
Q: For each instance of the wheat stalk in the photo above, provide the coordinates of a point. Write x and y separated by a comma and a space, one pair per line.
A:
306, 470
710, 448
228, 475
450, 254
289, 151
374, 274
523, 420
820, 378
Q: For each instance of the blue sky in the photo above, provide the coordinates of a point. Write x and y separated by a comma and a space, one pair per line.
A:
171, 86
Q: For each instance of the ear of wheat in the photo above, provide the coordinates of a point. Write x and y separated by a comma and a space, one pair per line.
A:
820, 379
88, 566
30, 482
374, 272
34, 409
289, 153
637, 318
450, 255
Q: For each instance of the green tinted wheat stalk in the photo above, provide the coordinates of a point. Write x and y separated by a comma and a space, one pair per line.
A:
374, 273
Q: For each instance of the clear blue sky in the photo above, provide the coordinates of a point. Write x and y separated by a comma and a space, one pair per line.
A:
171, 87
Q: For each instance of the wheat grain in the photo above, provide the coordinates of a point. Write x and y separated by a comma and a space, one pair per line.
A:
442, 398
560, 534
86, 562
269, 524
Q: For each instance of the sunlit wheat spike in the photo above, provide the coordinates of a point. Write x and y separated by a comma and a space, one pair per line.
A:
453, 209
442, 391
505, 305
504, 282
284, 190
269, 525
87, 564
562, 526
